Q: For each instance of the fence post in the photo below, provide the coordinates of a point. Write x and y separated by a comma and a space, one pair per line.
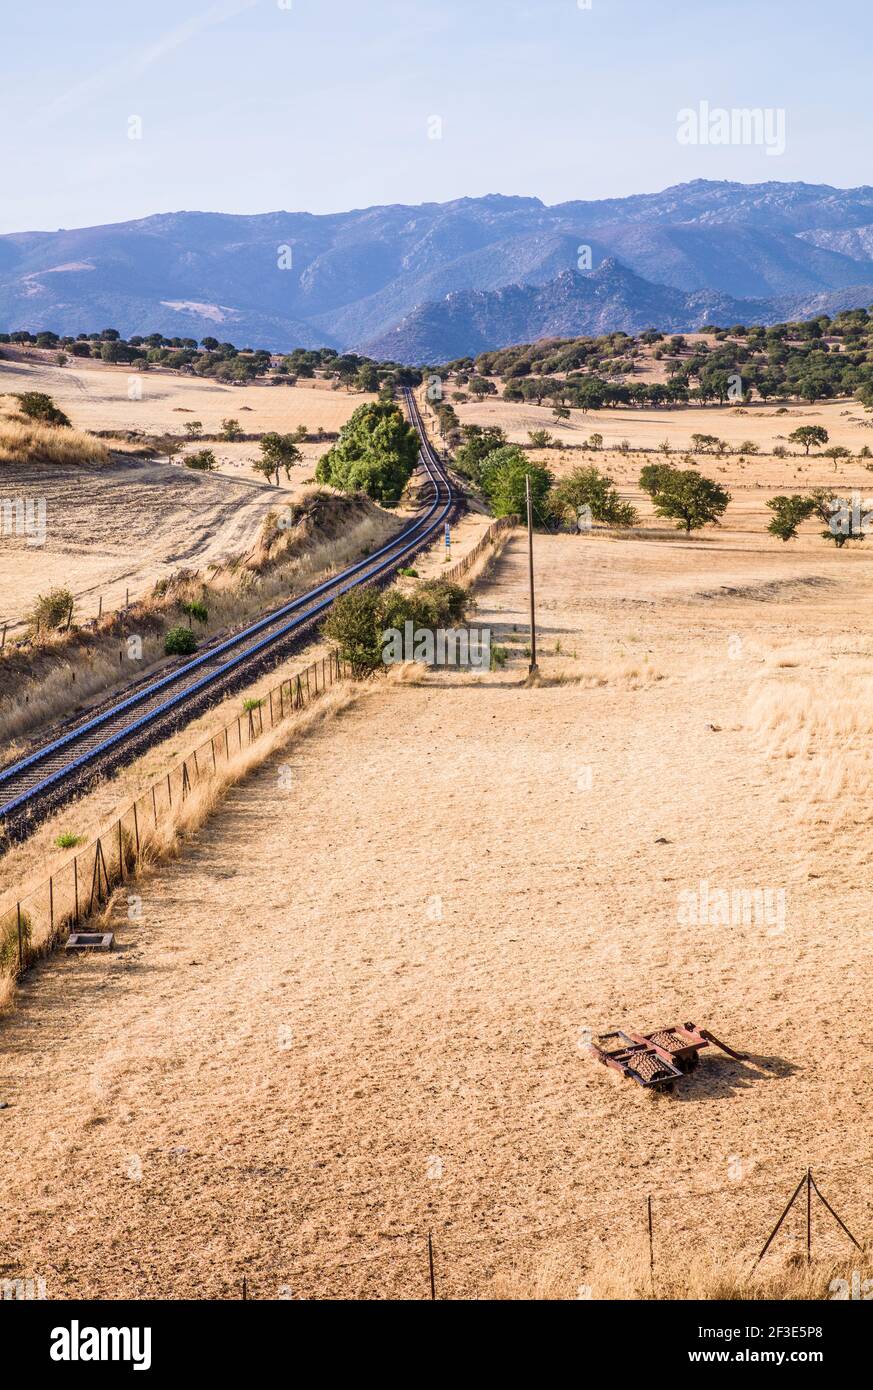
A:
76, 886
120, 852
809, 1216
136, 828
51, 906
20, 944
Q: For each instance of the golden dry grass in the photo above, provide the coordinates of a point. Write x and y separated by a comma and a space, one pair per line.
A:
25, 442
623, 1273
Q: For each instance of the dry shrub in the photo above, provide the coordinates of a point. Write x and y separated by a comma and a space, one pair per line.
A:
624, 1275
620, 675
793, 718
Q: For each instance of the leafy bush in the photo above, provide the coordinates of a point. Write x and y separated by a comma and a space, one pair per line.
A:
51, 610
355, 625
204, 461
196, 610
68, 840
540, 439
180, 641
358, 619
479, 442
36, 405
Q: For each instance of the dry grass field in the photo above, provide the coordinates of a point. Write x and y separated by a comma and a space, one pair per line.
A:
356, 1006
766, 425
118, 526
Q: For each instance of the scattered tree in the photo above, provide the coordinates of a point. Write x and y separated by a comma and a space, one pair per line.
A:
807, 435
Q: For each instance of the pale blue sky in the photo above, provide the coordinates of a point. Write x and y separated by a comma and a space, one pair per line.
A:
323, 105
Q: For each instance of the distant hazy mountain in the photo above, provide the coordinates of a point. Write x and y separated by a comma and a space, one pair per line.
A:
453, 277
607, 299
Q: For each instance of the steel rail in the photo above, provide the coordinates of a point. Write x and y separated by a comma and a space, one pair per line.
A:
39, 780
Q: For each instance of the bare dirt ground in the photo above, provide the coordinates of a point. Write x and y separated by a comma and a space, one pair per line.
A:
119, 528
122, 526
357, 1008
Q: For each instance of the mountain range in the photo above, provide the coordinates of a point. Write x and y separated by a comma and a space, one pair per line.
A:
439, 280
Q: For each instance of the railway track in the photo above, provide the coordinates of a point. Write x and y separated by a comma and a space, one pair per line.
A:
156, 706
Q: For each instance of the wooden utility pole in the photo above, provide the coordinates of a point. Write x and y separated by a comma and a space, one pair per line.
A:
533, 668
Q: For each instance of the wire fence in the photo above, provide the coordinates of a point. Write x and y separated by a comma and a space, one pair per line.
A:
657, 1237
42, 918
466, 563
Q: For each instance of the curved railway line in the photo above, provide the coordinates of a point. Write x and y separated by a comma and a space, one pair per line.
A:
156, 706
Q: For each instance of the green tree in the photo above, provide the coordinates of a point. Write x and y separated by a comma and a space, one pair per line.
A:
691, 499
788, 513
807, 435
837, 452
170, 445
588, 487
654, 475
278, 451
230, 430
481, 387
376, 453
503, 481
478, 442
367, 378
